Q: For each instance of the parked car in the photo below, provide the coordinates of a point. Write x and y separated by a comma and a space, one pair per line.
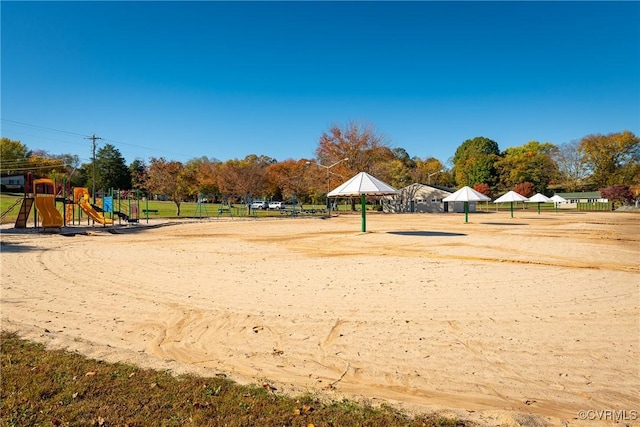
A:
259, 204
276, 205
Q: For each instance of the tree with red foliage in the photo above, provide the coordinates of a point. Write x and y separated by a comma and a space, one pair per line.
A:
617, 193
526, 189
483, 189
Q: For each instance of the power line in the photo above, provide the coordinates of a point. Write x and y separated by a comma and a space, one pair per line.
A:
29, 125
35, 167
15, 122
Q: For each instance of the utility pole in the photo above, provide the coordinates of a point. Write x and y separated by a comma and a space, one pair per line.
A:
93, 139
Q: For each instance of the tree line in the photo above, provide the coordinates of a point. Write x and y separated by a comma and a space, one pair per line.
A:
594, 162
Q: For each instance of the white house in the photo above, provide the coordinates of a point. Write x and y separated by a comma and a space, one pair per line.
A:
12, 183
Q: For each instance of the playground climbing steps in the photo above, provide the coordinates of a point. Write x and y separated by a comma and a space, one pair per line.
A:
23, 213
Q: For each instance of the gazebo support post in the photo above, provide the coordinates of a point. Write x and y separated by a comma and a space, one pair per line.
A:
539, 208
466, 212
511, 209
363, 204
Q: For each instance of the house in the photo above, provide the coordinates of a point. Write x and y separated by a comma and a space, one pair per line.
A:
12, 183
583, 197
423, 198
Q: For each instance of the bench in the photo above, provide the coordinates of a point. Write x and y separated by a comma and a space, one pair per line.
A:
148, 211
225, 210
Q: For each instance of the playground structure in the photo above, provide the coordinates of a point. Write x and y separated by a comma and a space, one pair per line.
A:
81, 197
44, 193
106, 211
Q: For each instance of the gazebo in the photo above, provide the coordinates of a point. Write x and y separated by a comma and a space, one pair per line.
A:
466, 194
363, 185
511, 197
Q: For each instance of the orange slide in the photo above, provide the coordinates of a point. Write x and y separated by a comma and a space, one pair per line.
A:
81, 196
46, 204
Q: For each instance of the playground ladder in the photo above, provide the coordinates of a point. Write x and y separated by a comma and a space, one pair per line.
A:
23, 214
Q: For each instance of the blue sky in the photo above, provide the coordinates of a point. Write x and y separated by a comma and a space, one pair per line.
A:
227, 79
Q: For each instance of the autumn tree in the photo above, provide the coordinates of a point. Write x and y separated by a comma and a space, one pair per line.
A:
483, 189
166, 178
531, 162
246, 177
526, 189
290, 178
612, 159
474, 162
366, 149
571, 166
139, 174
618, 193
399, 168
42, 164
207, 175
429, 171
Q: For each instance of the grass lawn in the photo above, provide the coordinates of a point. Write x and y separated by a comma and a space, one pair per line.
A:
159, 209
59, 388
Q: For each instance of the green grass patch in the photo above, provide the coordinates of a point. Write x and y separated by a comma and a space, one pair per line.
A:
54, 387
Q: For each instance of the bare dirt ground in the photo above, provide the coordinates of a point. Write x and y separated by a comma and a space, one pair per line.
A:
502, 321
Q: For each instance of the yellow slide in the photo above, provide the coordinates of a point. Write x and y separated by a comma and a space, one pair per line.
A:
46, 205
81, 196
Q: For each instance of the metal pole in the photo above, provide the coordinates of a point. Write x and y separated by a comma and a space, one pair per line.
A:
328, 189
363, 204
93, 139
466, 212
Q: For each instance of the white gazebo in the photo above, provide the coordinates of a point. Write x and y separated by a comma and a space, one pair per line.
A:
539, 198
363, 185
557, 200
511, 197
466, 194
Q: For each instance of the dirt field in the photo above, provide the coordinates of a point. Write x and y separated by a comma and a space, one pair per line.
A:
503, 321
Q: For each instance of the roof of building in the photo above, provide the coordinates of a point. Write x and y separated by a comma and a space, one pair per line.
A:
581, 195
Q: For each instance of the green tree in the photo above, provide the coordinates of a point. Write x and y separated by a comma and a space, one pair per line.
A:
111, 169
530, 162
612, 158
14, 156
474, 162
